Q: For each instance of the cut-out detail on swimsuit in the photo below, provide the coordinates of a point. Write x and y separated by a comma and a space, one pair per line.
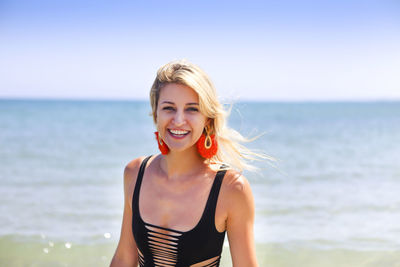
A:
163, 247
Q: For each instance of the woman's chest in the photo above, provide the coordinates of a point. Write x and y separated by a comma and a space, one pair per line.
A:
177, 206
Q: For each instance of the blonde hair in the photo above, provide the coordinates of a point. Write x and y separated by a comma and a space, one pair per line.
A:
230, 149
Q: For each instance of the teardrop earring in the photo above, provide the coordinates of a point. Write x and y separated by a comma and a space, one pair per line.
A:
207, 145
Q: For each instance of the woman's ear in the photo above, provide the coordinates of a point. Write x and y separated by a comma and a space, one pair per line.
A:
155, 115
209, 124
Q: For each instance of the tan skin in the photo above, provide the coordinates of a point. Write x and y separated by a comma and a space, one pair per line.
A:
175, 186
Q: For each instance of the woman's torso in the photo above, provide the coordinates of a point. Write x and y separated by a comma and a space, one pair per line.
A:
177, 223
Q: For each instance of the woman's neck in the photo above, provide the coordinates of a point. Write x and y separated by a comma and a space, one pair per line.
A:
178, 165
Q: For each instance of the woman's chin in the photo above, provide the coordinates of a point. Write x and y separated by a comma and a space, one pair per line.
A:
181, 149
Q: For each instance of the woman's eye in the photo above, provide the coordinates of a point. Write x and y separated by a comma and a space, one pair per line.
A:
168, 108
193, 109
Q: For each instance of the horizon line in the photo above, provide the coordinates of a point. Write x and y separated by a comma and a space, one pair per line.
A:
88, 99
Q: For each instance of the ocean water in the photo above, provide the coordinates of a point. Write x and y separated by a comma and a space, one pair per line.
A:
331, 199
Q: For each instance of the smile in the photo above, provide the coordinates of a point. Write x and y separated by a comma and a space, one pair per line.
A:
178, 133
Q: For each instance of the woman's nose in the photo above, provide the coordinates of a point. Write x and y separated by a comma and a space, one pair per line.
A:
179, 118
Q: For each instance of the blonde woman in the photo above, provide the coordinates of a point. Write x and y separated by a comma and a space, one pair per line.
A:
180, 203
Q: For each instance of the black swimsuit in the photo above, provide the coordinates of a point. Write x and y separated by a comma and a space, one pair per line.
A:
160, 246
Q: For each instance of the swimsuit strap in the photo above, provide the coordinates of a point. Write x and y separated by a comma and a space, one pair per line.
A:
213, 197
135, 202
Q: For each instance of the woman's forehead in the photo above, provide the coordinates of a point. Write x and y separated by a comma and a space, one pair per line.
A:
178, 94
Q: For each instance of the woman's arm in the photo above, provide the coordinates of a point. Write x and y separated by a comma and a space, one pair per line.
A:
126, 254
240, 222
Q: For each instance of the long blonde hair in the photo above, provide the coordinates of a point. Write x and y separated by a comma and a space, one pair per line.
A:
230, 149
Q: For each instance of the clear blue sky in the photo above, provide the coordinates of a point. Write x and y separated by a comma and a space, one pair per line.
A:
253, 50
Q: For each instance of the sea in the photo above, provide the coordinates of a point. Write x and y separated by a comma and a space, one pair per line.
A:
330, 197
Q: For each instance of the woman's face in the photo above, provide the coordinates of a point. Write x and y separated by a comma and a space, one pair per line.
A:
179, 120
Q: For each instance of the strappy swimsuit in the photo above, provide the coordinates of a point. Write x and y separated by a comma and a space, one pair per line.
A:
160, 246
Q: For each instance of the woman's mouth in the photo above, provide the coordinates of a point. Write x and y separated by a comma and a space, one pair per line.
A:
178, 133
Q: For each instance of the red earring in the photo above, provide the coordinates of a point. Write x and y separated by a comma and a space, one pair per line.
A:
161, 145
207, 145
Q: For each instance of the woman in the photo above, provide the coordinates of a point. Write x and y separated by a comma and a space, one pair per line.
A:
180, 203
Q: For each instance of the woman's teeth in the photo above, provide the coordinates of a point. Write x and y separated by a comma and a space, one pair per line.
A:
178, 132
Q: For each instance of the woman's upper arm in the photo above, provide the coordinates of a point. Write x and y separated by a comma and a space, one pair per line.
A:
240, 222
126, 253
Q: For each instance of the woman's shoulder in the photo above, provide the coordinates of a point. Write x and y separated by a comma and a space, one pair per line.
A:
133, 166
131, 172
236, 190
235, 182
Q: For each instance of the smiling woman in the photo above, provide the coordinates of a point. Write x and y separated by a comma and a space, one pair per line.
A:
179, 120
178, 205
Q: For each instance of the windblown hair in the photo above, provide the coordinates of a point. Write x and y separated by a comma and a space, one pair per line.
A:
230, 149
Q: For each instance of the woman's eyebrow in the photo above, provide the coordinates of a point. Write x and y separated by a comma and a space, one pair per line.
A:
167, 102
172, 103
